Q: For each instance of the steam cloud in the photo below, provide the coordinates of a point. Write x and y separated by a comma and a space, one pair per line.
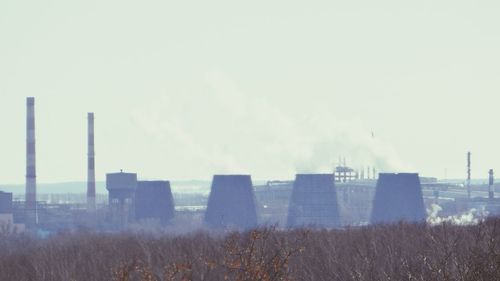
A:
470, 217
223, 130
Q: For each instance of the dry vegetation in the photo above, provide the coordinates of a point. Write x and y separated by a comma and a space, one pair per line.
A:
397, 252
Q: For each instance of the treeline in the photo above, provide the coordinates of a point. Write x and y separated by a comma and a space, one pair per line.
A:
391, 252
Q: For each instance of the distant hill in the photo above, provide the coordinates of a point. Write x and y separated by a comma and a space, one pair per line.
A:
65, 187
191, 186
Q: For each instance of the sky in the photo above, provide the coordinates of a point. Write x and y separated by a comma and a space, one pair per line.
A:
187, 89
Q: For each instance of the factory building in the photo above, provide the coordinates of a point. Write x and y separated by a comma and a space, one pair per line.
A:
398, 197
5, 203
122, 188
154, 200
7, 223
310, 200
231, 202
314, 202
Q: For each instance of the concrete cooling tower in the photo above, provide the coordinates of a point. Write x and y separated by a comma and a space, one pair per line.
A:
398, 197
231, 202
154, 200
314, 202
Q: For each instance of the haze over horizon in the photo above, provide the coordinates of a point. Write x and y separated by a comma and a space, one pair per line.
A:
184, 90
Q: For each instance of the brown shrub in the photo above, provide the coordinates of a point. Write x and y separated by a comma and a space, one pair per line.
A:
390, 252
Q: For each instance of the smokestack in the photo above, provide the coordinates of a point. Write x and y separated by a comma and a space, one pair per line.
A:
91, 164
468, 175
345, 170
491, 193
30, 200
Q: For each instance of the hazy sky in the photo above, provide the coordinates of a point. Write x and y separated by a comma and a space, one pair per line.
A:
186, 89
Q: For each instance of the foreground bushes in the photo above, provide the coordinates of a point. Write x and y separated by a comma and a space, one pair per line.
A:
396, 252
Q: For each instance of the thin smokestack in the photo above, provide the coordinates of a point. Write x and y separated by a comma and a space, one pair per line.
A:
91, 164
468, 175
30, 160
491, 185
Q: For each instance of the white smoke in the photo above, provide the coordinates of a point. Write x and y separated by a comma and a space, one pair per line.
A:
224, 130
470, 217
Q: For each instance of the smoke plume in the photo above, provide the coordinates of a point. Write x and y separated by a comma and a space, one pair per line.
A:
224, 130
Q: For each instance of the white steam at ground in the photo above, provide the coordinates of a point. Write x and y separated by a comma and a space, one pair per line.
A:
223, 130
470, 217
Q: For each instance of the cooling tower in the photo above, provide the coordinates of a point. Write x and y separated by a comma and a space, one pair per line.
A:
314, 202
231, 202
91, 164
30, 200
154, 200
398, 197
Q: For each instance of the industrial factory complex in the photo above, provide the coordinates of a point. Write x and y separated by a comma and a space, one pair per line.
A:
345, 196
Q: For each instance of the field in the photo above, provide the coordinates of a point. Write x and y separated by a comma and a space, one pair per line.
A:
393, 252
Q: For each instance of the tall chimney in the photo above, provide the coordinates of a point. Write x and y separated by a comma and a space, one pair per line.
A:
491, 193
30, 200
91, 164
468, 175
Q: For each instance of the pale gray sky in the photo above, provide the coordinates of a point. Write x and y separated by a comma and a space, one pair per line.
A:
185, 89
